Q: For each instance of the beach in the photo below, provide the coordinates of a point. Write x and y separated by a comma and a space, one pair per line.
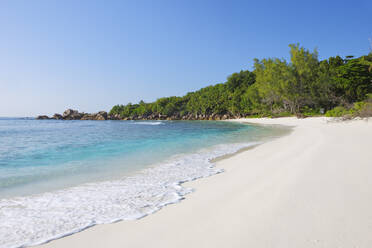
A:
310, 188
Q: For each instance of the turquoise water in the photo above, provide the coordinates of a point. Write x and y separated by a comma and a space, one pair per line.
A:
59, 177
64, 153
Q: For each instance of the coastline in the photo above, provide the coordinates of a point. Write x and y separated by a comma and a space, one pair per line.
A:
311, 188
188, 155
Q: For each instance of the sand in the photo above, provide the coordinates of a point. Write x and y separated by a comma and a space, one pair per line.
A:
311, 188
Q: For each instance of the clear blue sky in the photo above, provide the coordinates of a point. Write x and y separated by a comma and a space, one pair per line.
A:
90, 55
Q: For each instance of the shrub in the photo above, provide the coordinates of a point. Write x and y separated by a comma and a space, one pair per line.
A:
359, 109
338, 111
364, 110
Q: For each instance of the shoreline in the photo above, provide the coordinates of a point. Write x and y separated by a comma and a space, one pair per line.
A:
109, 195
203, 219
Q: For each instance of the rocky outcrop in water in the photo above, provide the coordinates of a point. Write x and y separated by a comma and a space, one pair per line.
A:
43, 117
71, 114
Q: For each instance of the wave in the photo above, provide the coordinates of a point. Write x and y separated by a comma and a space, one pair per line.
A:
37, 219
152, 123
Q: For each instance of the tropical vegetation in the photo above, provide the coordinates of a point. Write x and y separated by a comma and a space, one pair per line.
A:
302, 86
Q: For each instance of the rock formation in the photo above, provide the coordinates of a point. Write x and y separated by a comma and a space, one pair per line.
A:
71, 114
42, 117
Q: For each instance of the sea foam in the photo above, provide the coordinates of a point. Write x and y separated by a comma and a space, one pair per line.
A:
39, 218
152, 123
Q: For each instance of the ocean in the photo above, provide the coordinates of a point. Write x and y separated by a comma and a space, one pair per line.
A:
60, 177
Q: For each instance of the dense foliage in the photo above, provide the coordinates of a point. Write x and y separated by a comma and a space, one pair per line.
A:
275, 87
358, 109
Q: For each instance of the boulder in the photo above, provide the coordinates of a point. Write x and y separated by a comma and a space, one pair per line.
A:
113, 117
42, 117
57, 117
88, 117
103, 114
100, 117
71, 114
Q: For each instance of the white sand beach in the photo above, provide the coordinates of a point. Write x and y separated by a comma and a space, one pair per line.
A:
311, 188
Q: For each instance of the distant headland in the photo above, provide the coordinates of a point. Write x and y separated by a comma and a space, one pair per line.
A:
71, 114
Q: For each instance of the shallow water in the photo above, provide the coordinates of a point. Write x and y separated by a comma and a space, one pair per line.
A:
59, 177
